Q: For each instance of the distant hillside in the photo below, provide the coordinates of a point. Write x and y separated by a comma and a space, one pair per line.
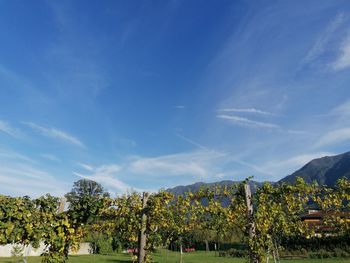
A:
180, 190
325, 171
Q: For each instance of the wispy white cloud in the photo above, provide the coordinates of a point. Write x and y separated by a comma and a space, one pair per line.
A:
247, 122
190, 141
72, 72
342, 109
279, 168
16, 156
24, 179
111, 182
343, 60
56, 134
202, 164
299, 132
334, 137
325, 44
188, 167
107, 175
22, 175
224, 157
319, 46
247, 110
185, 164
164, 170
9, 130
50, 157
87, 167
180, 107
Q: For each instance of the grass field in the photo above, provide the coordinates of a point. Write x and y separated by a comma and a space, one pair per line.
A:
170, 257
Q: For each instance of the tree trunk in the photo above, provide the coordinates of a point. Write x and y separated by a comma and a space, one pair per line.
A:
142, 240
254, 258
181, 250
276, 251
207, 249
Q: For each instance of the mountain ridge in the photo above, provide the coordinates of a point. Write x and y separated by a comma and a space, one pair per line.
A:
324, 170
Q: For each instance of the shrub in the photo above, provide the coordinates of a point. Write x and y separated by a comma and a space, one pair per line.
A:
104, 246
223, 254
232, 252
100, 243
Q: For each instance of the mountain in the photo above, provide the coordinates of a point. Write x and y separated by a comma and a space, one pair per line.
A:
325, 170
181, 189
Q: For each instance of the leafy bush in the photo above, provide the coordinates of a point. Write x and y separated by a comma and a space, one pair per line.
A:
101, 244
235, 253
337, 253
104, 246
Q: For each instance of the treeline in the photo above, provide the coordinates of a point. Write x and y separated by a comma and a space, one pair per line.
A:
262, 220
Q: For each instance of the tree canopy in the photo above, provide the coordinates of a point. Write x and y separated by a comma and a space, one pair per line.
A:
85, 200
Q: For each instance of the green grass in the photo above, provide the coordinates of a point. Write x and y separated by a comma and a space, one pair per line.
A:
165, 256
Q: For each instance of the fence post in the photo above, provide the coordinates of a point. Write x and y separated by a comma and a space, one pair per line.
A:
62, 205
142, 240
250, 218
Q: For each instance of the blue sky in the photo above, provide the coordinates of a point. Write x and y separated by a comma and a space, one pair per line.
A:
142, 95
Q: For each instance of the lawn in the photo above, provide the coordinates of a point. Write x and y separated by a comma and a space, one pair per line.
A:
169, 257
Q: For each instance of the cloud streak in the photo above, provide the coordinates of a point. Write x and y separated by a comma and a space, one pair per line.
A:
106, 175
183, 164
343, 60
86, 166
334, 137
50, 157
194, 143
9, 130
247, 122
16, 156
180, 107
320, 45
56, 134
247, 110
161, 171
278, 168
342, 110
26, 179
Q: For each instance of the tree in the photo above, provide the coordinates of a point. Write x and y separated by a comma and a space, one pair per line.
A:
85, 200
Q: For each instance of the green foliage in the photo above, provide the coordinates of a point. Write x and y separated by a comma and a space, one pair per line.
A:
18, 221
117, 222
26, 221
235, 253
58, 232
85, 200
336, 202
277, 212
101, 243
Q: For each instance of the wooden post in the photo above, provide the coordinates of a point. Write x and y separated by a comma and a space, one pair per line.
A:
250, 213
181, 250
142, 234
62, 205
